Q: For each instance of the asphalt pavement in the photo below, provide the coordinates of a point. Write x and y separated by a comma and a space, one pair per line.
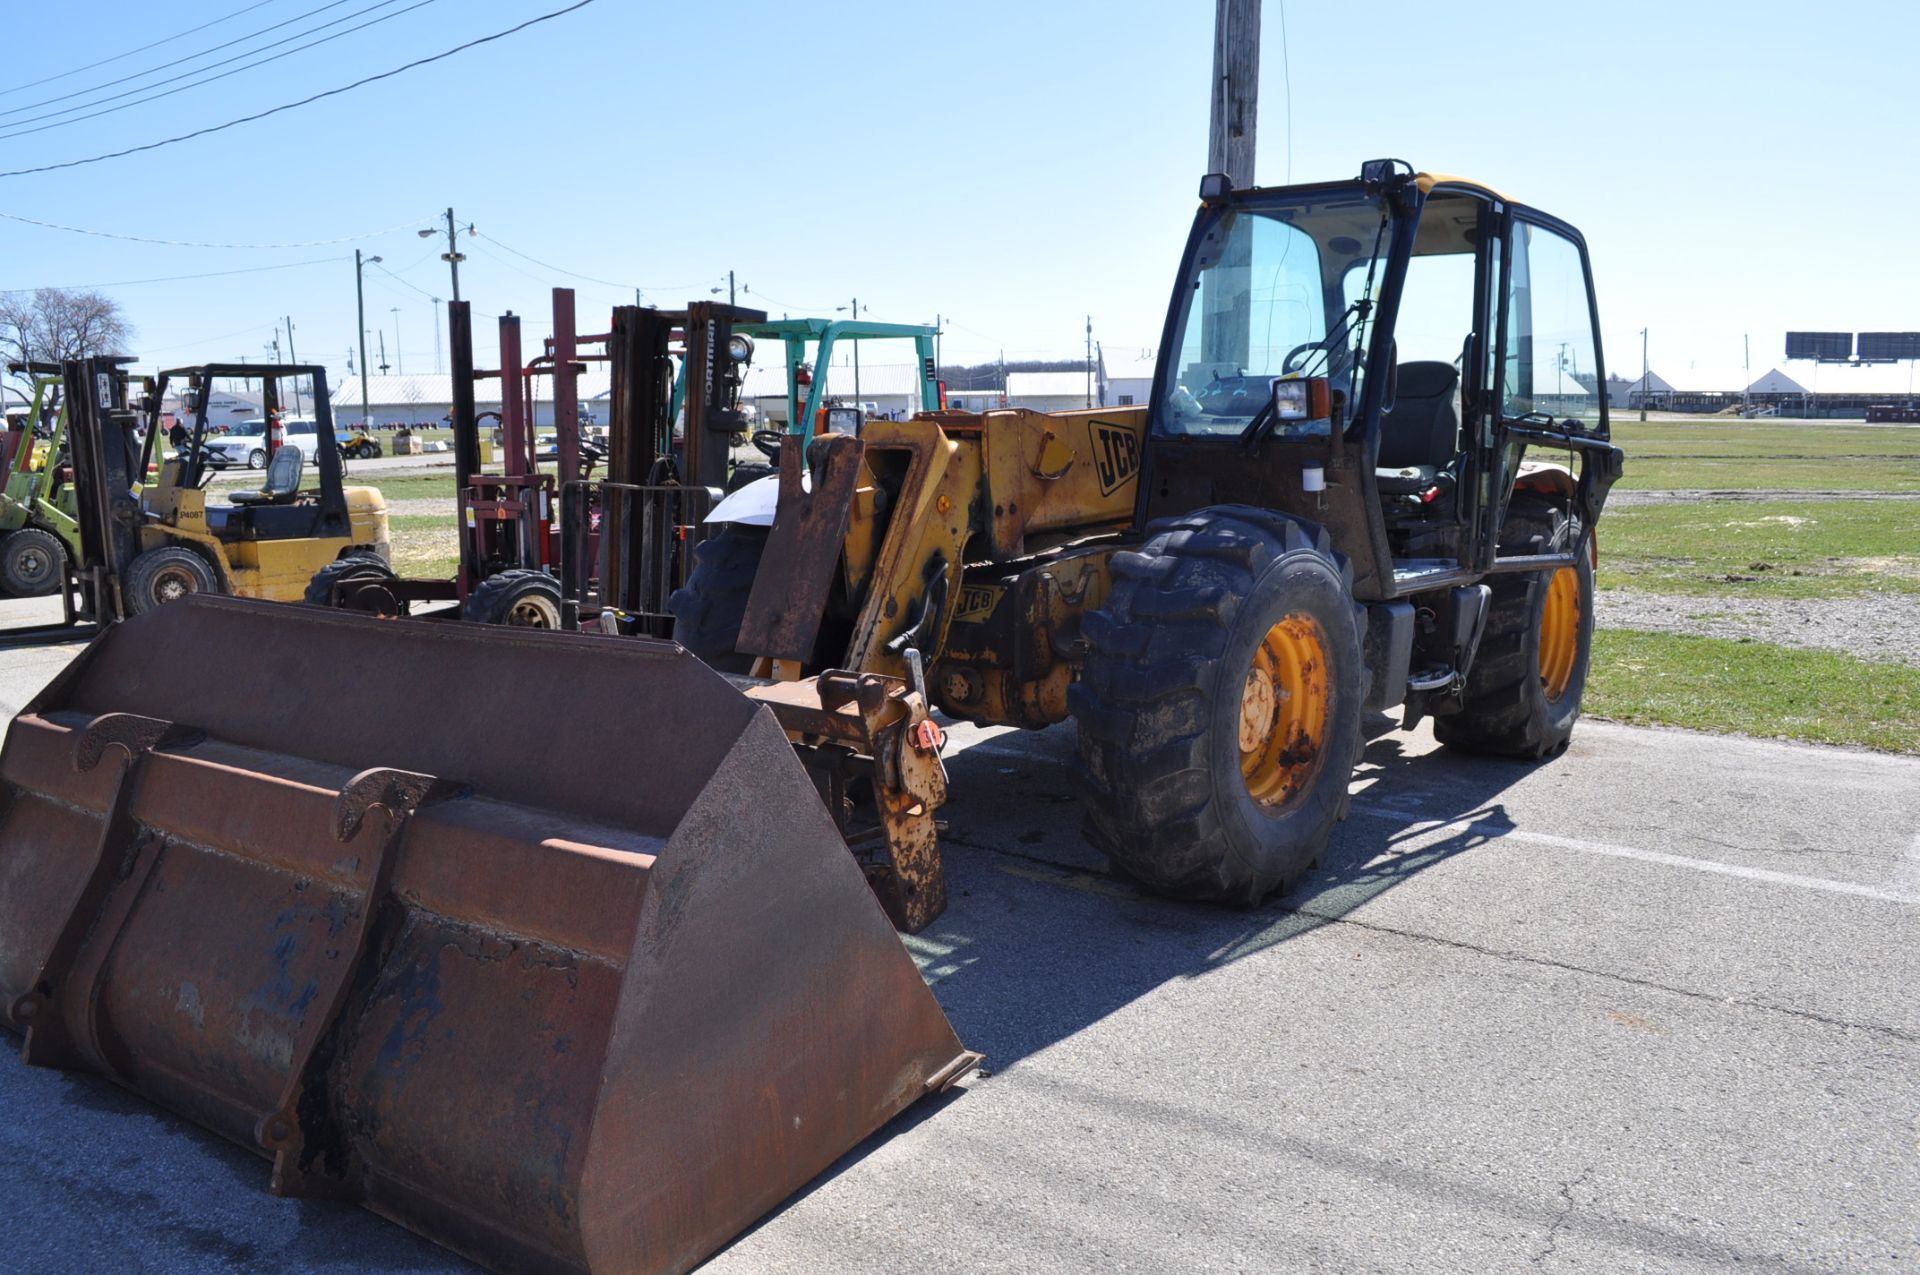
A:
1647, 1007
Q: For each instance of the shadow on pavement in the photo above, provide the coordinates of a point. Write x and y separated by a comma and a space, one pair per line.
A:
1019, 968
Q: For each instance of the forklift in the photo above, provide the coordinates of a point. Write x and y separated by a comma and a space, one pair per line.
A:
142, 545
37, 528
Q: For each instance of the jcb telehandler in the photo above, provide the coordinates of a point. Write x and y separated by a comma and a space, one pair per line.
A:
544, 944
1368, 478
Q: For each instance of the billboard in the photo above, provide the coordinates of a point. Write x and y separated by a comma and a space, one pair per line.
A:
1819, 345
1876, 347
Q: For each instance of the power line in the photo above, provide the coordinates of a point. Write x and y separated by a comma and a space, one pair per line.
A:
21, 88
574, 274
207, 340
209, 79
164, 66
172, 278
305, 101
187, 243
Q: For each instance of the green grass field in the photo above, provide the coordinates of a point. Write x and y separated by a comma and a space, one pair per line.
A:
1768, 548
1753, 688
1719, 455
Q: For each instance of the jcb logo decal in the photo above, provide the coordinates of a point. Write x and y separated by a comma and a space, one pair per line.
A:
1116, 456
976, 603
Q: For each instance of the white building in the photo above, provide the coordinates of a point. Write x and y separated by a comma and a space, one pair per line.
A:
1050, 391
1126, 377
428, 399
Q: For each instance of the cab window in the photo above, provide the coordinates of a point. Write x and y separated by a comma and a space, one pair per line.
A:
1551, 365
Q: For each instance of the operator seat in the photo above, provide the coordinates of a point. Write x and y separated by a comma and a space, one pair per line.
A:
1420, 437
283, 480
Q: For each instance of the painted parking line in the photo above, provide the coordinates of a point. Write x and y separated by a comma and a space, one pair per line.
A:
1500, 832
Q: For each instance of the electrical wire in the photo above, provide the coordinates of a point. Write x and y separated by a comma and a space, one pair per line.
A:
575, 274
305, 101
167, 66
21, 88
209, 340
173, 278
187, 243
209, 79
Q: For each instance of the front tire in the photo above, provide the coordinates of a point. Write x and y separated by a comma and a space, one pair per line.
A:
1523, 692
520, 599
1219, 709
33, 562
160, 576
709, 609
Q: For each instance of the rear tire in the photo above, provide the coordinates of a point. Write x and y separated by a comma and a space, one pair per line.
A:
1513, 707
1182, 716
160, 576
256, 459
359, 568
33, 562
709, 609
520, 599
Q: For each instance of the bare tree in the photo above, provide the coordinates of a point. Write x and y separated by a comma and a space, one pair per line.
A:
54, 324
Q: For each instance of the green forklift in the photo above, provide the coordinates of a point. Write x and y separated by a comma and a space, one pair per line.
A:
38, 526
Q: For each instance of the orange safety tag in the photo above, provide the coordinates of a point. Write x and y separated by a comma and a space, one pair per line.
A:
928, 736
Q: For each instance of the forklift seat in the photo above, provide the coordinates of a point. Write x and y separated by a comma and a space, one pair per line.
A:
1421, 435
283, 480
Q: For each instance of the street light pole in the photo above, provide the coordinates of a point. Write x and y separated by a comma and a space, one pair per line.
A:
436, 336
856, 361
1646, 375
360, 304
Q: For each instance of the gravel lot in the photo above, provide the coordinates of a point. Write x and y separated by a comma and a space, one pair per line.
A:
1871, 626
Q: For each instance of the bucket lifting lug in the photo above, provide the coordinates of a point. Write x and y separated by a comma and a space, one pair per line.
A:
37, 1012
282, 1132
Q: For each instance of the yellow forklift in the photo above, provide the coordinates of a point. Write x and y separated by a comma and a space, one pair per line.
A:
262, 542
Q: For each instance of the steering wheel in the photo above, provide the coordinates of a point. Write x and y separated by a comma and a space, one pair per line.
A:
768, 442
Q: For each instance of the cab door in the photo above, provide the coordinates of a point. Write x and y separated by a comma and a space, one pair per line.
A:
1550, 381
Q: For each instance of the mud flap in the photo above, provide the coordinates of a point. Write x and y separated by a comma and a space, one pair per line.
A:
540, 945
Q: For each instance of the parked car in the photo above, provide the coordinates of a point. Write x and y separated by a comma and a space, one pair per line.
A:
246, 446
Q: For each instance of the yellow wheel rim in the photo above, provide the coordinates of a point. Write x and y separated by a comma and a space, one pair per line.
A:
1283, 711
1560, 632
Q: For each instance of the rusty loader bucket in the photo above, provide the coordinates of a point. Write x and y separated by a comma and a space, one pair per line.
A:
541, 945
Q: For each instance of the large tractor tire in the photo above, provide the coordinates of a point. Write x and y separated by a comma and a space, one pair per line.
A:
1219, 709
1524, 689
519, 599
709, 608
33, 562
361, 569
163, 575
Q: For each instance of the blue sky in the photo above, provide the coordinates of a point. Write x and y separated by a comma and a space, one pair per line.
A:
1015, 167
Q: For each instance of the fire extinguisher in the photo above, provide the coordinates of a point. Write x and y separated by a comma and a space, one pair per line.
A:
276, 434
802, 383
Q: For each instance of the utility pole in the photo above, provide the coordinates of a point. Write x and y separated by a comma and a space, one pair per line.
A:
360, 304
293, 356
730, 289
399, 355
383, 351
1236, 89
453, 256
1646, 375
936, 349
1089, 360
856, 355
436, 336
